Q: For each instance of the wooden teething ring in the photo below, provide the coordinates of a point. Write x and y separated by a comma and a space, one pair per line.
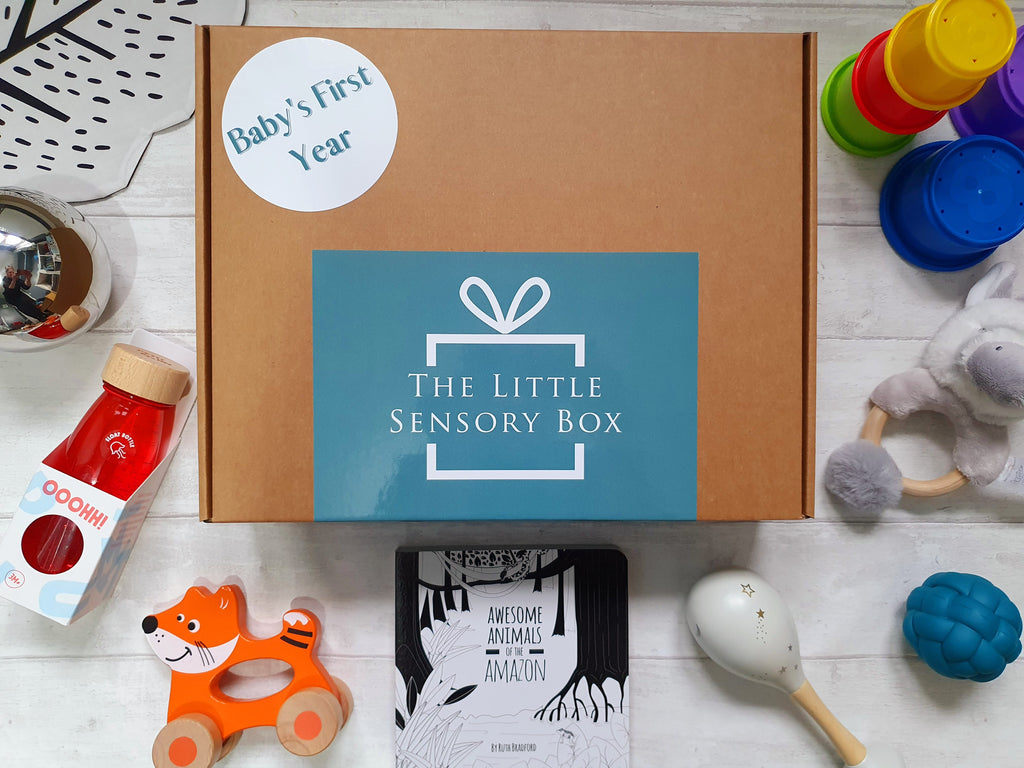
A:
949, 482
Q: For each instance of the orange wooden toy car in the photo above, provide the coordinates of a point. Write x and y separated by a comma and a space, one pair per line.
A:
201, 639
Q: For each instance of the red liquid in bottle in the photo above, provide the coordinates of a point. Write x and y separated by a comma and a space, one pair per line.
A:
52, 544
117, 443
115, 447
56, 326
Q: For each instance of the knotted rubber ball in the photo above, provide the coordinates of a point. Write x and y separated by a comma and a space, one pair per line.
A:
963, 626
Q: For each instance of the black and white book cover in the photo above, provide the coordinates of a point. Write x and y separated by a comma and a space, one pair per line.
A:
511, 658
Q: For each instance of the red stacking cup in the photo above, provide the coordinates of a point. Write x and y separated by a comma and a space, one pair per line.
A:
877, 99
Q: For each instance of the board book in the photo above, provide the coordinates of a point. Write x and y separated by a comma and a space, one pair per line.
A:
507, 658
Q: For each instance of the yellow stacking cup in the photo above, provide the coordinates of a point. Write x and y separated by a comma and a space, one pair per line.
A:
939, 54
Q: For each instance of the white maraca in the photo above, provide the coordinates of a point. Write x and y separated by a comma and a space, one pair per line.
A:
742, 623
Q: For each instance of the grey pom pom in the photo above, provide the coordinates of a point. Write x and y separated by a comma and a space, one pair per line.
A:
864, 476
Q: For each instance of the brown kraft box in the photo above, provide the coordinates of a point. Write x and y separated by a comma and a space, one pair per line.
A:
533, 141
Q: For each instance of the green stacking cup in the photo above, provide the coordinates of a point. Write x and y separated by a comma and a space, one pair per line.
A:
846, 124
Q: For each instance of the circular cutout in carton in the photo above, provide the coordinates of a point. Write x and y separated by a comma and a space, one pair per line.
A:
309, 124
52, 544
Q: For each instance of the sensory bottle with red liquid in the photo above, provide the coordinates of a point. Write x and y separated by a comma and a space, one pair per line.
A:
56, 326
117, 444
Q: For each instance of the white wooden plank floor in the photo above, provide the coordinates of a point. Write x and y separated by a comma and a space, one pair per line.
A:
92, 695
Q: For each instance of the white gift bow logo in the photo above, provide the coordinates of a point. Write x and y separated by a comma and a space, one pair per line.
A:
505, 322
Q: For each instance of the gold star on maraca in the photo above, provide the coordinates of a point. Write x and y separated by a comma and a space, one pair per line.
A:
760, 614
747, 590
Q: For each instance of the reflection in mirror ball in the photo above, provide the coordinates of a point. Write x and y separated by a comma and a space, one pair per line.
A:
55, 269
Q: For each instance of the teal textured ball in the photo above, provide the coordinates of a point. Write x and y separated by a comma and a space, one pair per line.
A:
963, 626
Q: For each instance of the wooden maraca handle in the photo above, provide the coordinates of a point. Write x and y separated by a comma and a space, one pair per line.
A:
846, 744
951, 481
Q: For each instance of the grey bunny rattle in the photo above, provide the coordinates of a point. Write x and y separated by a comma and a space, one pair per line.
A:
972, 372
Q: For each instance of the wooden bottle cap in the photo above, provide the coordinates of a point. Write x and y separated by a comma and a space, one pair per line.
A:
145, 374
73, 318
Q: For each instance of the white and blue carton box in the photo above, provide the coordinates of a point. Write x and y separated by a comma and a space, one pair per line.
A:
109, 526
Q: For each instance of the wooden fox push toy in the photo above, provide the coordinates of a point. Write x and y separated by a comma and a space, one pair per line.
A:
204, 636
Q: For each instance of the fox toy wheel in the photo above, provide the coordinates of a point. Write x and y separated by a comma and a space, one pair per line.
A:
309, 720
345, 696
229, 743
192, 741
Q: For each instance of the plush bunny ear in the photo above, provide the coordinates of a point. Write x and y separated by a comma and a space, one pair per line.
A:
997, 283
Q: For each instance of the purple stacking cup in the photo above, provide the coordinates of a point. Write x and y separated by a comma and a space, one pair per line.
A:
998, 108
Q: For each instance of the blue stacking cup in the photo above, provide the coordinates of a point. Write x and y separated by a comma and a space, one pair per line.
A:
948, 205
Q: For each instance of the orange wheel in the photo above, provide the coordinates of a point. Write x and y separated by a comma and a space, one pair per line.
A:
192, 741
309, 720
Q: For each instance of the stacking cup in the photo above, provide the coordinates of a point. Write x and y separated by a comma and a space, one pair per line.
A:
939, 55
844, 121
878, 100
998, 108
948, 204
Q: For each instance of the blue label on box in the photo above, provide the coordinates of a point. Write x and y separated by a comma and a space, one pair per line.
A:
505, 385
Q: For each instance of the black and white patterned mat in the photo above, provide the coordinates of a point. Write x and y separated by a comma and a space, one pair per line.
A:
85, 84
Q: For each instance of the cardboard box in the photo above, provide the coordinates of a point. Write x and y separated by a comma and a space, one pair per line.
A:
516, 171
109, 525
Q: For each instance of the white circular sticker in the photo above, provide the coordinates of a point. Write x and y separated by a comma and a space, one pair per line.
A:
309, 124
